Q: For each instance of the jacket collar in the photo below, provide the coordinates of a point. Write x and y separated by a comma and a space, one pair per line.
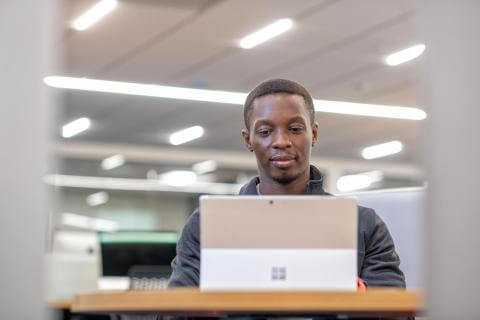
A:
315, 185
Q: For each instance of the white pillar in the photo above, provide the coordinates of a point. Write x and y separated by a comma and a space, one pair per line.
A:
451, 30
25, 42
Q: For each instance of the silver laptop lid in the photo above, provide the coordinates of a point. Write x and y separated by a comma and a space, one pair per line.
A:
278, 222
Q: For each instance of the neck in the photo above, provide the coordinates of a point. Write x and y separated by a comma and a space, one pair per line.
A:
297, 186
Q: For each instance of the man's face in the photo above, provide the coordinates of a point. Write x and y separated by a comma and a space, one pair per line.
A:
281, 135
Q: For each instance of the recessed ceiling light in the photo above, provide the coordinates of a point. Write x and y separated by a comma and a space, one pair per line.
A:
178, 178
186, 135
95, 13
266, 33
98, 198
405, 55
382, 150
75, 127
353, 182
204, 167
358, 181
227, 97
113, 162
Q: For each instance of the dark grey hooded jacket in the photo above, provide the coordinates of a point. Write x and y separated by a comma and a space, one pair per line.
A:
378, 263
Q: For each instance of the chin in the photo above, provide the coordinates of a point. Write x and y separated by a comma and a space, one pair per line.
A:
285, 178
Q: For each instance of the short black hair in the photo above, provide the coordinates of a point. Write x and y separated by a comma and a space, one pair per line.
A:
277, 86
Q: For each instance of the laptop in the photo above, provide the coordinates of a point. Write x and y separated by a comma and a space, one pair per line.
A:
278, 243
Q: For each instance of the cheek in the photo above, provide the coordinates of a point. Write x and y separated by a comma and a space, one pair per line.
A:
305, 146
260, 146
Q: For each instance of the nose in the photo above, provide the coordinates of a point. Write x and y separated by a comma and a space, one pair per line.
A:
281, 140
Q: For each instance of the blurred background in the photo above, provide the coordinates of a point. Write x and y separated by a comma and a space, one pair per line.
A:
123, 167
118, 166
144, 108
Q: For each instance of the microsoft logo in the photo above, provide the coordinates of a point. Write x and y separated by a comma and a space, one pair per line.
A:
279, 273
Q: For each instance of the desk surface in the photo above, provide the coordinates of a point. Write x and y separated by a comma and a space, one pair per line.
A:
200, 303
60, 304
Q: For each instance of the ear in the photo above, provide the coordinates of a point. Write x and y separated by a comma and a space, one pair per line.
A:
246, 139
314, 133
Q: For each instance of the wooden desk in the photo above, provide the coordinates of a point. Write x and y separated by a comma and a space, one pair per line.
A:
374, 302
60, 304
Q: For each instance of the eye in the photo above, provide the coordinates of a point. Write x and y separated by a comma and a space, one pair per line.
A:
263, 132
296, 129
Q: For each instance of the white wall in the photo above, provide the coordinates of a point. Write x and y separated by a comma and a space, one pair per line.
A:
25, 110
452, 144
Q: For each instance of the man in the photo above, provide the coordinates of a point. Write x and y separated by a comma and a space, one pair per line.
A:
280, 129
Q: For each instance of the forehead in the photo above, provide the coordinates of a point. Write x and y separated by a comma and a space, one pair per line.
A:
279, 105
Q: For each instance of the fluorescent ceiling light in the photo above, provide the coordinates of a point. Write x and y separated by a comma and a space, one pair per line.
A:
382, 150
375, 175
204, 167
353, 182
98, 198
405, 55
84, 222
109, 183
228, 97
75, 127
148, 90
186, 135
113, 162
178, 178
369, 110
266, 33
358, 181
95, 13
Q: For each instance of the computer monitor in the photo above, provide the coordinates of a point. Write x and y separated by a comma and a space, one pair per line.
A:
120, 251
403, 211
73, 264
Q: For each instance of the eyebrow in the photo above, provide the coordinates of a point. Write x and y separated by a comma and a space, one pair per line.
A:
266, 121
297, 118
261, 121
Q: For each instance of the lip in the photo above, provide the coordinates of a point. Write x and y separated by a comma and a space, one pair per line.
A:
282, 157
282, 161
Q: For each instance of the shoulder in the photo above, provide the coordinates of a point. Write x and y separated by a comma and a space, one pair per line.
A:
366, 215
372, 228
194, 217
192, 227
250, 188
368, 220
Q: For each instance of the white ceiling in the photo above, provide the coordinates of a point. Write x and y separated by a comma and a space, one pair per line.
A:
335, 49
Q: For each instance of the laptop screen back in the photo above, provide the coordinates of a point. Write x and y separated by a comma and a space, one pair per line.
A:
278, 242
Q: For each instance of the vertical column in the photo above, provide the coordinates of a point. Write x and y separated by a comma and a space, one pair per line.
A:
24, 111
452, 156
